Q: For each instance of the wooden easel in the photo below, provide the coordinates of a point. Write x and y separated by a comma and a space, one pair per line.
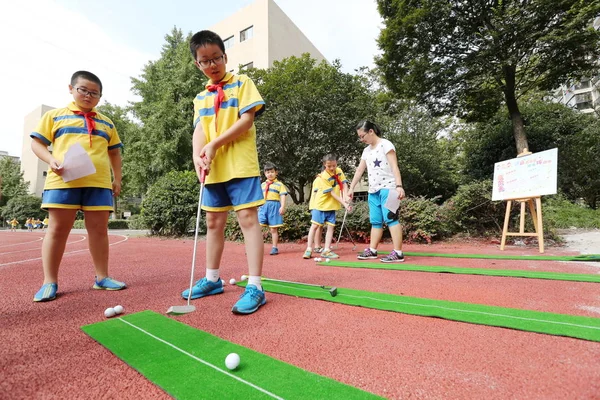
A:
536, 215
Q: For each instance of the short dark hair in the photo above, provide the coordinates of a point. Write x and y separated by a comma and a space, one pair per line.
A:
329, 157
367, 125
269, 166
85, 75
203, 38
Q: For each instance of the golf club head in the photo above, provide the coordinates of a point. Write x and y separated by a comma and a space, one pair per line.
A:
333, 291
180, 310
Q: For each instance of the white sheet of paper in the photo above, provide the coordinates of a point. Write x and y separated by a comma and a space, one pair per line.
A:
77, 164
392, 203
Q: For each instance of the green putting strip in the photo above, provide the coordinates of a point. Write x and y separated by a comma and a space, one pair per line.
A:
190, 364
583, 257
558, 276
587, 328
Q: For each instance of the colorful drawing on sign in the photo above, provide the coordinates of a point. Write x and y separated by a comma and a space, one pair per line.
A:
529, 176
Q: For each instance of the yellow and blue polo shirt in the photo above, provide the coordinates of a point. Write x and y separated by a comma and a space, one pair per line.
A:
239, 158
62, 128
276, 190
323, 185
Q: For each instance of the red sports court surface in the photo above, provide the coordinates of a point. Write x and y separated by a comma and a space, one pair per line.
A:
44, 353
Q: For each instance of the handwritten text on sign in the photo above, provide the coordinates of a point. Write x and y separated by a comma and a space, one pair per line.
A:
527, 176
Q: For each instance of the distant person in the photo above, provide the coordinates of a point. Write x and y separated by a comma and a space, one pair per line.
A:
29, 224
318, 239
379, 159
45, 223
37, 224
13, 224
270, 214
224, 143
328, 187
78, 122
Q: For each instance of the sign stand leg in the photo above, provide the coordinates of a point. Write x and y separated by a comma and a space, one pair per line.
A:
536, 216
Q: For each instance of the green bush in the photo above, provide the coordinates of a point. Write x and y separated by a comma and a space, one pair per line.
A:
471, 210
422, 220
560, 213
136, 222
79, 224
170, 205
118, 224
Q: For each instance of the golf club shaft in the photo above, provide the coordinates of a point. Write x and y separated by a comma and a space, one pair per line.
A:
202, 178
341, 228
350, 235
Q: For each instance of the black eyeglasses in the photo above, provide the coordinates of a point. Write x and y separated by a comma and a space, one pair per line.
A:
85, 92
217, 61
360, 137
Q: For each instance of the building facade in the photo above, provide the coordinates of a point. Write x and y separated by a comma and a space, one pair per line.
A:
34, 169
259, 34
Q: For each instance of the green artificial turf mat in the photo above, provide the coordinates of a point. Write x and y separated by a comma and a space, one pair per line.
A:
559, 276
188, 363
587, 328
583, 257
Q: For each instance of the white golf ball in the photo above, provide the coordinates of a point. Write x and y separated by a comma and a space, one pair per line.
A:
232, 281
222, 282
244, 277
232, 361
118, 309
109, 312
327, 260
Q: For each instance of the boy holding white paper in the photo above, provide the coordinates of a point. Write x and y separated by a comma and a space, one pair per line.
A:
385, 190
78, 181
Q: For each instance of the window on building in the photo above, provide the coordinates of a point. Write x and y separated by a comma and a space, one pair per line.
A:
246, 66
246, 34
228, 42
585, 84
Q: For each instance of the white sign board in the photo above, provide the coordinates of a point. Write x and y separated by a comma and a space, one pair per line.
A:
528, 176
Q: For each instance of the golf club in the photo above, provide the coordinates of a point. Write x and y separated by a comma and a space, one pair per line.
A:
350, 235
332, 290
341, 230
178, 310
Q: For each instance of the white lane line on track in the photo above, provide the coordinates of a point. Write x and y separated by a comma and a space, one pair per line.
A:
65, 254
37, 248
450, 309
18, 244
203, 361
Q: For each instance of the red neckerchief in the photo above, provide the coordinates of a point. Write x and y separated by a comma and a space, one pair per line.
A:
218, 98
89, 121
339, 182
267, 188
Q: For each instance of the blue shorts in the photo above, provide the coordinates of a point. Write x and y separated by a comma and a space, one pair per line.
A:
268, 214
323, 217
378, 214
236, 194
86, 199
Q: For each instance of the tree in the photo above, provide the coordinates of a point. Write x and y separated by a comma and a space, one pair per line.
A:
471, 56
426, 154
311, 110
167, 87
12, 183
550, 125
23, 207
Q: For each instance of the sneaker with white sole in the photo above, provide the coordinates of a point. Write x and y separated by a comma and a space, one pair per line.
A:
393, 257
368, 254
329, 254
108, 283
203, 288
249, 301
46, 293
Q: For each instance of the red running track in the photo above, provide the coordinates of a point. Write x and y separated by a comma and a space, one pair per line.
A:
45, 355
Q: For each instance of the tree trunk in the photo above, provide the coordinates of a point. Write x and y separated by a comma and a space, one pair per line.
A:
513, 110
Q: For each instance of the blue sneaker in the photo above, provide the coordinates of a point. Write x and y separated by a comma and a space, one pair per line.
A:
274, 251
204, 287
109, 283
249, 301
47, 292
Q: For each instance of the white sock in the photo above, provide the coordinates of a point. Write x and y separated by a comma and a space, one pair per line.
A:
255, 280
399, 252
373, 250
212, 274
